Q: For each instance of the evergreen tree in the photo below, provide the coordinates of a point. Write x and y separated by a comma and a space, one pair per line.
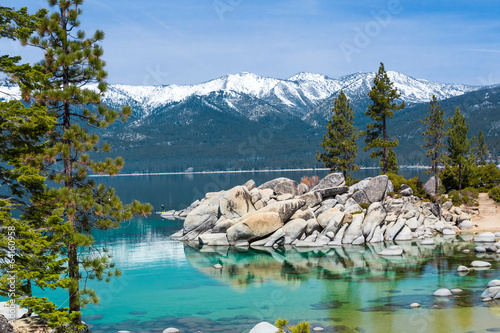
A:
28, 252
74, 61
383, 96
392, 162
434, 138
481, 149
340, 140
459, 146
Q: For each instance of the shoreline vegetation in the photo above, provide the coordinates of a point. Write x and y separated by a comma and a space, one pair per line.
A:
423, 167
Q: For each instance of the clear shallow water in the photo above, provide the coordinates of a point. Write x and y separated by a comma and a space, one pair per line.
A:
347, 289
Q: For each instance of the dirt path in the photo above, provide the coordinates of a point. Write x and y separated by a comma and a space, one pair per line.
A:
488, 218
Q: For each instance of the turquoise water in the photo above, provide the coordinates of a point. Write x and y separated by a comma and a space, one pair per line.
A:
347, 289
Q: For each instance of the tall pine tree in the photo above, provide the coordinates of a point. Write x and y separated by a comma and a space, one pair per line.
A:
459, 146
383, 96
29, 255
340, 140
481, 149
74, 61
434, 139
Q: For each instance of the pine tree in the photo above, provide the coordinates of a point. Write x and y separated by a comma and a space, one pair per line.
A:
481, 149
340, 140
459, 146
74, 61
392, 162
28, 255
434, 138
383, 96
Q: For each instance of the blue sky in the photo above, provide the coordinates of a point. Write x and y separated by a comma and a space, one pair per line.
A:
192, 41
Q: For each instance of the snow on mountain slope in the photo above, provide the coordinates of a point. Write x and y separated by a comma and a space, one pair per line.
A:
298, 94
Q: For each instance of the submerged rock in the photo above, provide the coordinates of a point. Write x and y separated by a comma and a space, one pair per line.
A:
443, 292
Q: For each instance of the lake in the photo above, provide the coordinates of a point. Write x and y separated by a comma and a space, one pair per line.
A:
344, 289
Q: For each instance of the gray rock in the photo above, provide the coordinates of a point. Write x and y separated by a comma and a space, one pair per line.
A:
294, 229
355, 229
287, 187
392, 250
466, 225
326, 205
493, 283
331, 180
219, 239
254, 227
304, 213
407, 192
359, 185
443, 292
236, 202
312, 226
222, 225
327, 216
5, 327
375, 215
375, 189
283, 197
436, 209
491, 292
286, 209
203, 217
480, 264
338, 237
485, 237
353, 209
334, 224
360, 197
302, 188
256, 195
391, 233
430, 186
480, 249
447, 205
377, 235
449, 232
332, 191
311, 198
171, 330
250, 185
278, 234
404, 235
272, 183
427, 241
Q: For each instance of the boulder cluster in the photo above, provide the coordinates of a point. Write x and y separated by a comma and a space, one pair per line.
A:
283, 212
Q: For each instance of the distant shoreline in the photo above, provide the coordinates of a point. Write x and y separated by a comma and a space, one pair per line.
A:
241, 171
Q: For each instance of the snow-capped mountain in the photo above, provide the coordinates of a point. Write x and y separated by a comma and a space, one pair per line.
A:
300, 95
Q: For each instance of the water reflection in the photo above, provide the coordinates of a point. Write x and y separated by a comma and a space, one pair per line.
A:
243, 267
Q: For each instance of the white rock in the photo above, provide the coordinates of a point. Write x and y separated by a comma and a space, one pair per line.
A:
480, 249
318, 329
427, 241
392, 250
217, 266
497, 234
491, 292
264, 327
463, 269
449, 232
171, 330
414, 305
485, 237
456, 290
443, 292
493, 283
466, 251
479, 263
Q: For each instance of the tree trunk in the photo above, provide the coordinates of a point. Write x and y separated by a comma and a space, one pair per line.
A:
384, 160
74, 298
459, 177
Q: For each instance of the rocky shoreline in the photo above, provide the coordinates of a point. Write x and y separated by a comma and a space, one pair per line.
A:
282, 212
